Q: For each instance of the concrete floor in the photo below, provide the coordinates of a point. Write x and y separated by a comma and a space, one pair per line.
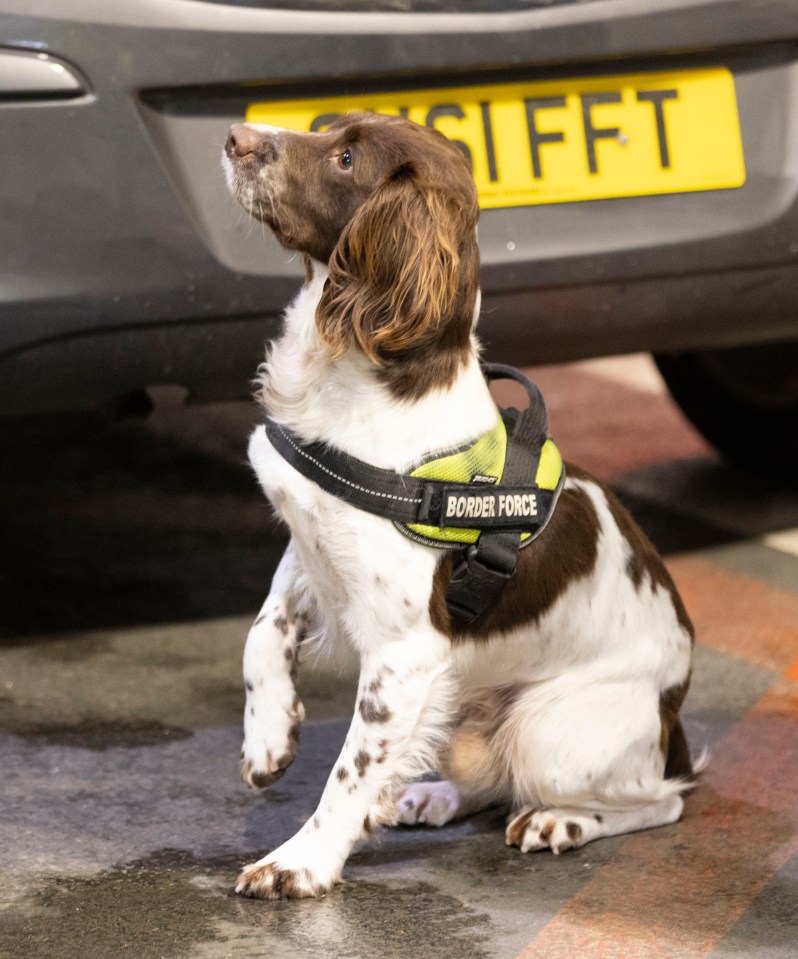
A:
134, 557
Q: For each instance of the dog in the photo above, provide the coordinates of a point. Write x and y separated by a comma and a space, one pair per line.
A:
561, 701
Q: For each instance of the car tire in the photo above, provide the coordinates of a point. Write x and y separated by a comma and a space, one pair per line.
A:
743, 400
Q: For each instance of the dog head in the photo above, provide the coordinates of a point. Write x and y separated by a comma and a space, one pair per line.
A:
390, 207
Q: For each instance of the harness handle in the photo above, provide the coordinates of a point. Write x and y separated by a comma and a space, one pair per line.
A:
534, 420
478, 580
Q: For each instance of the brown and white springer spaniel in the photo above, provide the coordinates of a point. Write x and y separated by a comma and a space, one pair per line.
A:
563, 702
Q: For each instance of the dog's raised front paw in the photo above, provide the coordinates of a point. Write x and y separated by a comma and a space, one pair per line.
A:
266, 773
260, 767
531, 829
270, 748
428, 804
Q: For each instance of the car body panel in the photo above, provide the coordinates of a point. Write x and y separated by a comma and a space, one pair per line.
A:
124, 256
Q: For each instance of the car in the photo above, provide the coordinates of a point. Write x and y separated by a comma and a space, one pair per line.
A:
637, 165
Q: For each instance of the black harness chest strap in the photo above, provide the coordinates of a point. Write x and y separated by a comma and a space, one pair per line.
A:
393, 495
403, 498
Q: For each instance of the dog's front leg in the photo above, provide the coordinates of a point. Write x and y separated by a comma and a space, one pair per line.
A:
402, 705
273, 709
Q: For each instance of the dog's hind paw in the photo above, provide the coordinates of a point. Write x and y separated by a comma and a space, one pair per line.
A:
428, 804
559, 830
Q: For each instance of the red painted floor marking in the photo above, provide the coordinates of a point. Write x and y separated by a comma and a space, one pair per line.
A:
792, 671
738, 615
675, 892
758, 759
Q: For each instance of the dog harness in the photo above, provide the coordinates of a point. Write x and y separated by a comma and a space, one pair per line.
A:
487, 500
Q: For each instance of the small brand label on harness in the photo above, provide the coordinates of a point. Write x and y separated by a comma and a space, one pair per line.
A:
491, 508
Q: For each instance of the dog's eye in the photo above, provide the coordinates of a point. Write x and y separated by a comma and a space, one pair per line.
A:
345, 160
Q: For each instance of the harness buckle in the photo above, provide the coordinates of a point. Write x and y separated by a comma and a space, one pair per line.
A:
479, 579
429, 509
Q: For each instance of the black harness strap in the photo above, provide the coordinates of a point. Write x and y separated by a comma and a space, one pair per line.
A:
382, 492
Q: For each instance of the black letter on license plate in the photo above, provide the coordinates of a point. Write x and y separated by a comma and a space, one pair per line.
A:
589, 100
450, 110
490, 148
657, 98
535, 137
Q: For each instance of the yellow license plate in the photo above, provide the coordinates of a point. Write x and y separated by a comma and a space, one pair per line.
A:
559, 141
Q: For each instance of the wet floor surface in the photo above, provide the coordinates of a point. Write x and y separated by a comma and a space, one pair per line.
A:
134, 557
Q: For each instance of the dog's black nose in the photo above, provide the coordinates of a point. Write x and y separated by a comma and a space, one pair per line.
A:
241, 140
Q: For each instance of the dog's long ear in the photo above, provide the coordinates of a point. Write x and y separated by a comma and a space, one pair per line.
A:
405, 266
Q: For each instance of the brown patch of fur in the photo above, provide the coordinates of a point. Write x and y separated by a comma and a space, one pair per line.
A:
515, 831
260, 779
574, 831
271, 882
373, 711
342, 774
645, 565
564, 552
469, 757
673, 741
547, 830
291, 659
362, 760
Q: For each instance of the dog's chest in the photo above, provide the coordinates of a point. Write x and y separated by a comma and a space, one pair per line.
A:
365, 575
358, 564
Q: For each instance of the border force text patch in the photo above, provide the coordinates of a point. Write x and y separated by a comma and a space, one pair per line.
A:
508, 508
